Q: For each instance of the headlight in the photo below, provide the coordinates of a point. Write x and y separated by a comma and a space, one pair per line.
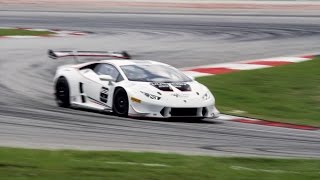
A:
206, 96
151, 96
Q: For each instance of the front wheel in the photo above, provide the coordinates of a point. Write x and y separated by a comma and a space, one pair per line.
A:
120, 103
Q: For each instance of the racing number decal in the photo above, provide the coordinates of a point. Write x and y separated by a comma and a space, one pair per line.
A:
104, 93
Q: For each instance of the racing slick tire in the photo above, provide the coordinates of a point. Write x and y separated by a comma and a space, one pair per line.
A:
62, 93
120, 103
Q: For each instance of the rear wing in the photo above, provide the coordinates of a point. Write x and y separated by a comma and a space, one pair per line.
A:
110, 54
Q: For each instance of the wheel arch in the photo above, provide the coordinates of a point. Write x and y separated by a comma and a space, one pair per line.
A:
72, 78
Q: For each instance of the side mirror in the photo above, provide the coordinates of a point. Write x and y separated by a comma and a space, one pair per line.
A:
105, 78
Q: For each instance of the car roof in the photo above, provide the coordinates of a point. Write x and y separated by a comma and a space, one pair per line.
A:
121, 62
131, 62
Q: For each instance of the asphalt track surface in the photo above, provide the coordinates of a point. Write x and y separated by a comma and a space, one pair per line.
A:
29, 116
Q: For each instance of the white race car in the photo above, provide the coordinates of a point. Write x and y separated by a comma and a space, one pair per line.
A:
134, 88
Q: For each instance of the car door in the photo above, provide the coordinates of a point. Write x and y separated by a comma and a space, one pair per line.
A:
97, 91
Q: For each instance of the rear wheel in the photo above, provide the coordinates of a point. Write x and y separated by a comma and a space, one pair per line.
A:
62, 92
120, 103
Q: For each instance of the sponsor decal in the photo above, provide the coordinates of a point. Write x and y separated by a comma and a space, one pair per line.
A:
177, 95
98, 102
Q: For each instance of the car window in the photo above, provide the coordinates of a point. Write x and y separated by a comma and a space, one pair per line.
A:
153, 73
106, 69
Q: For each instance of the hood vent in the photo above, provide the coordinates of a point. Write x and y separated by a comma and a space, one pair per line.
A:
167, 87
162, 86
182, 86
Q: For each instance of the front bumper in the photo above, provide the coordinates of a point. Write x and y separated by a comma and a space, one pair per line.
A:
144, 109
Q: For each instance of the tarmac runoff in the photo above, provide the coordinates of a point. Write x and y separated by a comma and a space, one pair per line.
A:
155, 7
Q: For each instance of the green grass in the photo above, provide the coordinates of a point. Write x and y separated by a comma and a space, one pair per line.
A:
289, 93
45, 164
21, 32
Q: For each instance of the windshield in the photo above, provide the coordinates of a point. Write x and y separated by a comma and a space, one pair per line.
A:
154, 73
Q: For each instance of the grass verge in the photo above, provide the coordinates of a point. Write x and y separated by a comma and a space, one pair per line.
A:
22, 32
288, 93
45, 164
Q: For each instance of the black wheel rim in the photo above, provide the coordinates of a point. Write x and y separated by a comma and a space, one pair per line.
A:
121, 104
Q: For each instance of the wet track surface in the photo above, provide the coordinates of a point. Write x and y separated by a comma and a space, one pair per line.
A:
30, 118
